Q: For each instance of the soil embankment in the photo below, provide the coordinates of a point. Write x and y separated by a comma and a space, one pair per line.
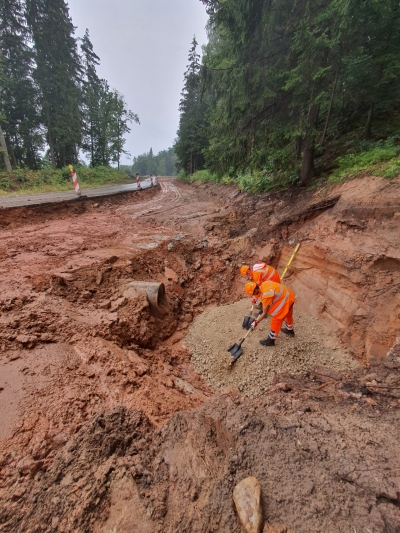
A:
107, 425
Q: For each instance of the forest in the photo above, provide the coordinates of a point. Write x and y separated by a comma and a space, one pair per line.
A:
162, 164
289, 90
52, 101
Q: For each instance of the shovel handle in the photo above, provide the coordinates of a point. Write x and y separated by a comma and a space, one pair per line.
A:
290, 260
244, 338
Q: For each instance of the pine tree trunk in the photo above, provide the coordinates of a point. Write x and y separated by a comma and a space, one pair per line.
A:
4, 150
31, 153
307, 165
50, 141
329, 108
367, 132
299, 142
52, 154
11, 154
91, 143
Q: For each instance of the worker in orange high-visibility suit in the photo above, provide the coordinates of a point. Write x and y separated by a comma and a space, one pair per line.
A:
277, 301
259, 273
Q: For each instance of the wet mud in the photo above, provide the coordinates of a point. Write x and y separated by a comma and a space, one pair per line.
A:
113, 421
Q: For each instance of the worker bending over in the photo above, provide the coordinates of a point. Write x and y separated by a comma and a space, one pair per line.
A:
277, 301
259, 273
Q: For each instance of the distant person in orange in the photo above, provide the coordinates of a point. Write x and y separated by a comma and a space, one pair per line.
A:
259, 273
138, 181
277, 301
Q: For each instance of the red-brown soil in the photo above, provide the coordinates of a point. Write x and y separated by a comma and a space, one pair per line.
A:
106, 427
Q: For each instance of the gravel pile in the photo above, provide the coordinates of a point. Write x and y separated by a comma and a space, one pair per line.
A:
215, 330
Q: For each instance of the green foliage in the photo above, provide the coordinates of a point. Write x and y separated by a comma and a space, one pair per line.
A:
57, 73
192, 132
204, 176
51, 96
381, 159
257, 182
391, 169
162, 164
19, 97
279, 79
22, 181
105, 115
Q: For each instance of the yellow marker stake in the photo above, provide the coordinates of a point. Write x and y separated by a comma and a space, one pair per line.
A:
290, 260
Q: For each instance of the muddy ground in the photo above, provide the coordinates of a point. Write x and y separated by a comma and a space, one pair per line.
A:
107, 424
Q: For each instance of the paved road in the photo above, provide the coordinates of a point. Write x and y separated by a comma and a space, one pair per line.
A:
51, 197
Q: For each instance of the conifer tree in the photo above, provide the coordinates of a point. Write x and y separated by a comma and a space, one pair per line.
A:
19, 95
58, 73
162, 164
279, 76
191, 139
119, 119
105, 114
92, 93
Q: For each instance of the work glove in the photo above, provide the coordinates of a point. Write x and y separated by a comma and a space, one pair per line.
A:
254, 324
254, 301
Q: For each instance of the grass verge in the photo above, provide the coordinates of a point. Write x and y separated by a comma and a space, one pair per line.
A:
383, 159
25, 181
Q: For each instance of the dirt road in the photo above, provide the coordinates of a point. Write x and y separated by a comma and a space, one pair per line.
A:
107, 425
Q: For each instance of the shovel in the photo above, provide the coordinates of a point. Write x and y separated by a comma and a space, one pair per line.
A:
248, 320
236, 349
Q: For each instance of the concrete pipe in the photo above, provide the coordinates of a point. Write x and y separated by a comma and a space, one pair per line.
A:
154, 291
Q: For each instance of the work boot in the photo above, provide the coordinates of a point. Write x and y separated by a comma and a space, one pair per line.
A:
288, 331
268, 342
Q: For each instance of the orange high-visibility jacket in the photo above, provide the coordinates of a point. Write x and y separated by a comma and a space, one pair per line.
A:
278, 297
262, 272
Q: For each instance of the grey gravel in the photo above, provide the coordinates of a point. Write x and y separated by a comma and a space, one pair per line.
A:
215, 330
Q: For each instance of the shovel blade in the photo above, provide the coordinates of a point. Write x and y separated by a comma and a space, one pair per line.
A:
247, 322
235, 351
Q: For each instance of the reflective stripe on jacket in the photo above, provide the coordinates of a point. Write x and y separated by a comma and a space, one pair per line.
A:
262, 272
277, 296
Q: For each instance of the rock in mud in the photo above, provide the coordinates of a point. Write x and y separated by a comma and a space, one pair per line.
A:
247, 495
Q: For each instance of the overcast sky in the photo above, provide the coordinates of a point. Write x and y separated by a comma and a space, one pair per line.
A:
143, 47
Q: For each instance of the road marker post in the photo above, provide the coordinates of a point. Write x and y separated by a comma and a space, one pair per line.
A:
74, 178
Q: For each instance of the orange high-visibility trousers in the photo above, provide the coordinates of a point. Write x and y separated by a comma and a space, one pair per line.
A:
277, 321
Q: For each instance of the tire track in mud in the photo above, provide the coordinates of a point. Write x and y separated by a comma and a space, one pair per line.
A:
155, 200
169, 194
167, 201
